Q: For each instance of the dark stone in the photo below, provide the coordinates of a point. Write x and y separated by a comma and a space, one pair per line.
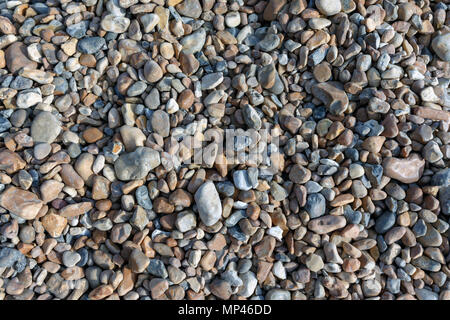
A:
374, 173
444, 197
441, 178
420, 228
385, 222
12, 258
91, 45
157, 268
143, 198
353, 217
4, 124
315, 205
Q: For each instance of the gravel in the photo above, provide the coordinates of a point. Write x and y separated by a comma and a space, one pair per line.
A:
190, 150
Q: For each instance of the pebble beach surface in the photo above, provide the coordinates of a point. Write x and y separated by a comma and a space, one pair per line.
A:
116, 180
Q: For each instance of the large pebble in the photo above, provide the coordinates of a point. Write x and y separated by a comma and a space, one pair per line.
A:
208, 203
137, 164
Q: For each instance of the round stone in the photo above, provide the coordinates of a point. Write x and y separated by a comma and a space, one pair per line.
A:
328, 7
116, 24
441, 45
208, 203
136, 164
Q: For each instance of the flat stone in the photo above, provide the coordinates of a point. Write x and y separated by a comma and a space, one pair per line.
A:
208, 203
16, 57
328, 7
12, 258
251, 117
28, 98
137, 164
331, 94
190, 8
407, 170
441, 45
161, 123
315, 205
10, 161
326, 224
22, 203
45, 127
185, 221
138, 261
194, 42
116, 24
76, 209
211, 80
91, 45
152, 71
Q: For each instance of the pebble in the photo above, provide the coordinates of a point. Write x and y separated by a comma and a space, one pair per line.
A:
425, 294
315, 205
441, 46
160, 123
326, 224
249, 283
16, 58
186, 221
328, 8
251, 117
407, 170
242, 180
152, 71
22, 203
91, 45
212, 80
116, 24
334, 98
12, 258
138, 261
136, 164
278, 294
149, 22
385, 222
198, 150
70, 258
28, 98
194, 42
45, 128
208, 203
371, 288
